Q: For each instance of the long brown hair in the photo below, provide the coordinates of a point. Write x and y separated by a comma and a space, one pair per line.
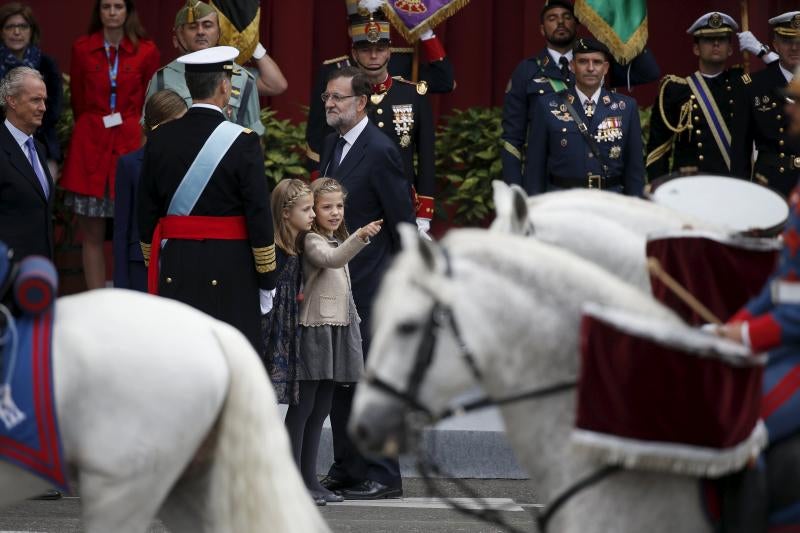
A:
18, 8
285, 196
324, 186
134, 30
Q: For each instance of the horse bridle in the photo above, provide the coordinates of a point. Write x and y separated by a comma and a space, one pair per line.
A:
441, 316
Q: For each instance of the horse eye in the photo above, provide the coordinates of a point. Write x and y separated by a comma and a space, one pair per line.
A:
407, 328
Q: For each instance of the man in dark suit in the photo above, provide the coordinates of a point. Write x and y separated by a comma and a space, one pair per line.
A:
370, 167
26, 199
203, 188
763, 119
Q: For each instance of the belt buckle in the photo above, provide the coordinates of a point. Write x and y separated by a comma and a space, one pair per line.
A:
595, 178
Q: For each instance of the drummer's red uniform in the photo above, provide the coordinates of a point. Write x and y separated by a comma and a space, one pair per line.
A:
771, 323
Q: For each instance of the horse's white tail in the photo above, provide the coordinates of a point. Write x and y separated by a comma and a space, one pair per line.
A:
255, 486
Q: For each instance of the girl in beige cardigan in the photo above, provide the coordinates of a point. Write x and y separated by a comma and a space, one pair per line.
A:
330, 341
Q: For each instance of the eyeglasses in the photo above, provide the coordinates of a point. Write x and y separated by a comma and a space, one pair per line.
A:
335, 97
24, 26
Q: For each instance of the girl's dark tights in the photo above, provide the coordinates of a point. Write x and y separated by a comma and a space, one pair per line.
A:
304, 425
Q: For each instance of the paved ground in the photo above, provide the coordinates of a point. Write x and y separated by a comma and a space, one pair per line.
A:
416, 513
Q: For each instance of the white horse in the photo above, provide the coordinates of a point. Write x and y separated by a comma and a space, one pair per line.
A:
165, 410
595, 237
517, 304
638, 215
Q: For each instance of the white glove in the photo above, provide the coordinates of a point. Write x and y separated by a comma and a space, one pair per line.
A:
427, 34
424, 226
710, 328
259, 52
265, 299
749, 43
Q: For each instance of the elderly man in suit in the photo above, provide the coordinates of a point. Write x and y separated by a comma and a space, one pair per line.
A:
369, 165
26, 199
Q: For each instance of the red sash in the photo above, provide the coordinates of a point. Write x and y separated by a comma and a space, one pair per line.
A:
191, 228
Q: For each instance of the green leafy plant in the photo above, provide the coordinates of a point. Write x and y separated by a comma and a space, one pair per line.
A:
64, 223
468, 159
284, 143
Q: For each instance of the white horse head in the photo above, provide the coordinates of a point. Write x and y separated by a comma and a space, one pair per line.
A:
505, 311
516, 305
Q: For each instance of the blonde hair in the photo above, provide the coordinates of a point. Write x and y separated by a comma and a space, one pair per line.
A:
285, 196
324, 186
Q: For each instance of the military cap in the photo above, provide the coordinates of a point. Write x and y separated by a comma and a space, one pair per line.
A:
550, 4
214, 59
368, 25
585, 45
713, 24
786, 25
192, 11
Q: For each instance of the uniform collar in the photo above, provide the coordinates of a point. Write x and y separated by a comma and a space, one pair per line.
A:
582, 97
556, 56
380, 88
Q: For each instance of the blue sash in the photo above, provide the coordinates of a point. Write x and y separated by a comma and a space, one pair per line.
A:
714, 118
197, 177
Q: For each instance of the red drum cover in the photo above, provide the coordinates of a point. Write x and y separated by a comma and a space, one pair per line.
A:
640, 388
722, 272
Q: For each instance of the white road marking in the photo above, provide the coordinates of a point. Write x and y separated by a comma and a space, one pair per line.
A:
501, 504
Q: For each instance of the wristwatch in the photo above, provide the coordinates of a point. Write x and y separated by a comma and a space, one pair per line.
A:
764, 50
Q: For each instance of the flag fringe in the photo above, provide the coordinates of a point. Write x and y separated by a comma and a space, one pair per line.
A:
623, 52
245, 41
412, 35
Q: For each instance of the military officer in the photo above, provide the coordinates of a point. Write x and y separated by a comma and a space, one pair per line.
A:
763, 119
692, 116
203, 190
197, 28
549, 72
400, 108
585, 136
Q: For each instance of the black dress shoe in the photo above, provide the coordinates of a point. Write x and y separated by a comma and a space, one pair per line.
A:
320, 501
370, 490
49, 495
335, 484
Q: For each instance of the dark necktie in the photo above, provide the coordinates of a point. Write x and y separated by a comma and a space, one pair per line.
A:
564, 65
337, 157
588, 108
33, 157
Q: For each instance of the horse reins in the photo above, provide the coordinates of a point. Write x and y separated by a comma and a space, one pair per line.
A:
441, 316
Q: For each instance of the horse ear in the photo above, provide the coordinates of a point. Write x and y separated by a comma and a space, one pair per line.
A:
502, 198
519, 202
410, 238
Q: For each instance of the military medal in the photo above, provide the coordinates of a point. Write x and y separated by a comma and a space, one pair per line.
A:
615, 152
403, 123
376, 99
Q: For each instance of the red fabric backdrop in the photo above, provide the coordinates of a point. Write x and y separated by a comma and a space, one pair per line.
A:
485, 40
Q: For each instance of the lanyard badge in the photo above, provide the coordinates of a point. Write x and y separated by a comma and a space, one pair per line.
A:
112, 73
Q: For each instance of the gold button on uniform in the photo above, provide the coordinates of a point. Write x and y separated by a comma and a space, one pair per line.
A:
541, 91
380, 124
168, 280
699, 145
780, 143
781, 170
380, 111
782, 155
778, 117
214, 282
700, 157
697, 132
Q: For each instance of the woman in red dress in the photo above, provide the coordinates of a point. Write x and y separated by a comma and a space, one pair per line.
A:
110, 69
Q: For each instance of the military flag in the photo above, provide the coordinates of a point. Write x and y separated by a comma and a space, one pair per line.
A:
239, 21
412, 17
619, 24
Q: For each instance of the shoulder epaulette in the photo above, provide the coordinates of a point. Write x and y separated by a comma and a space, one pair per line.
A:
335, 60
673, 79
247, 131
746, 79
